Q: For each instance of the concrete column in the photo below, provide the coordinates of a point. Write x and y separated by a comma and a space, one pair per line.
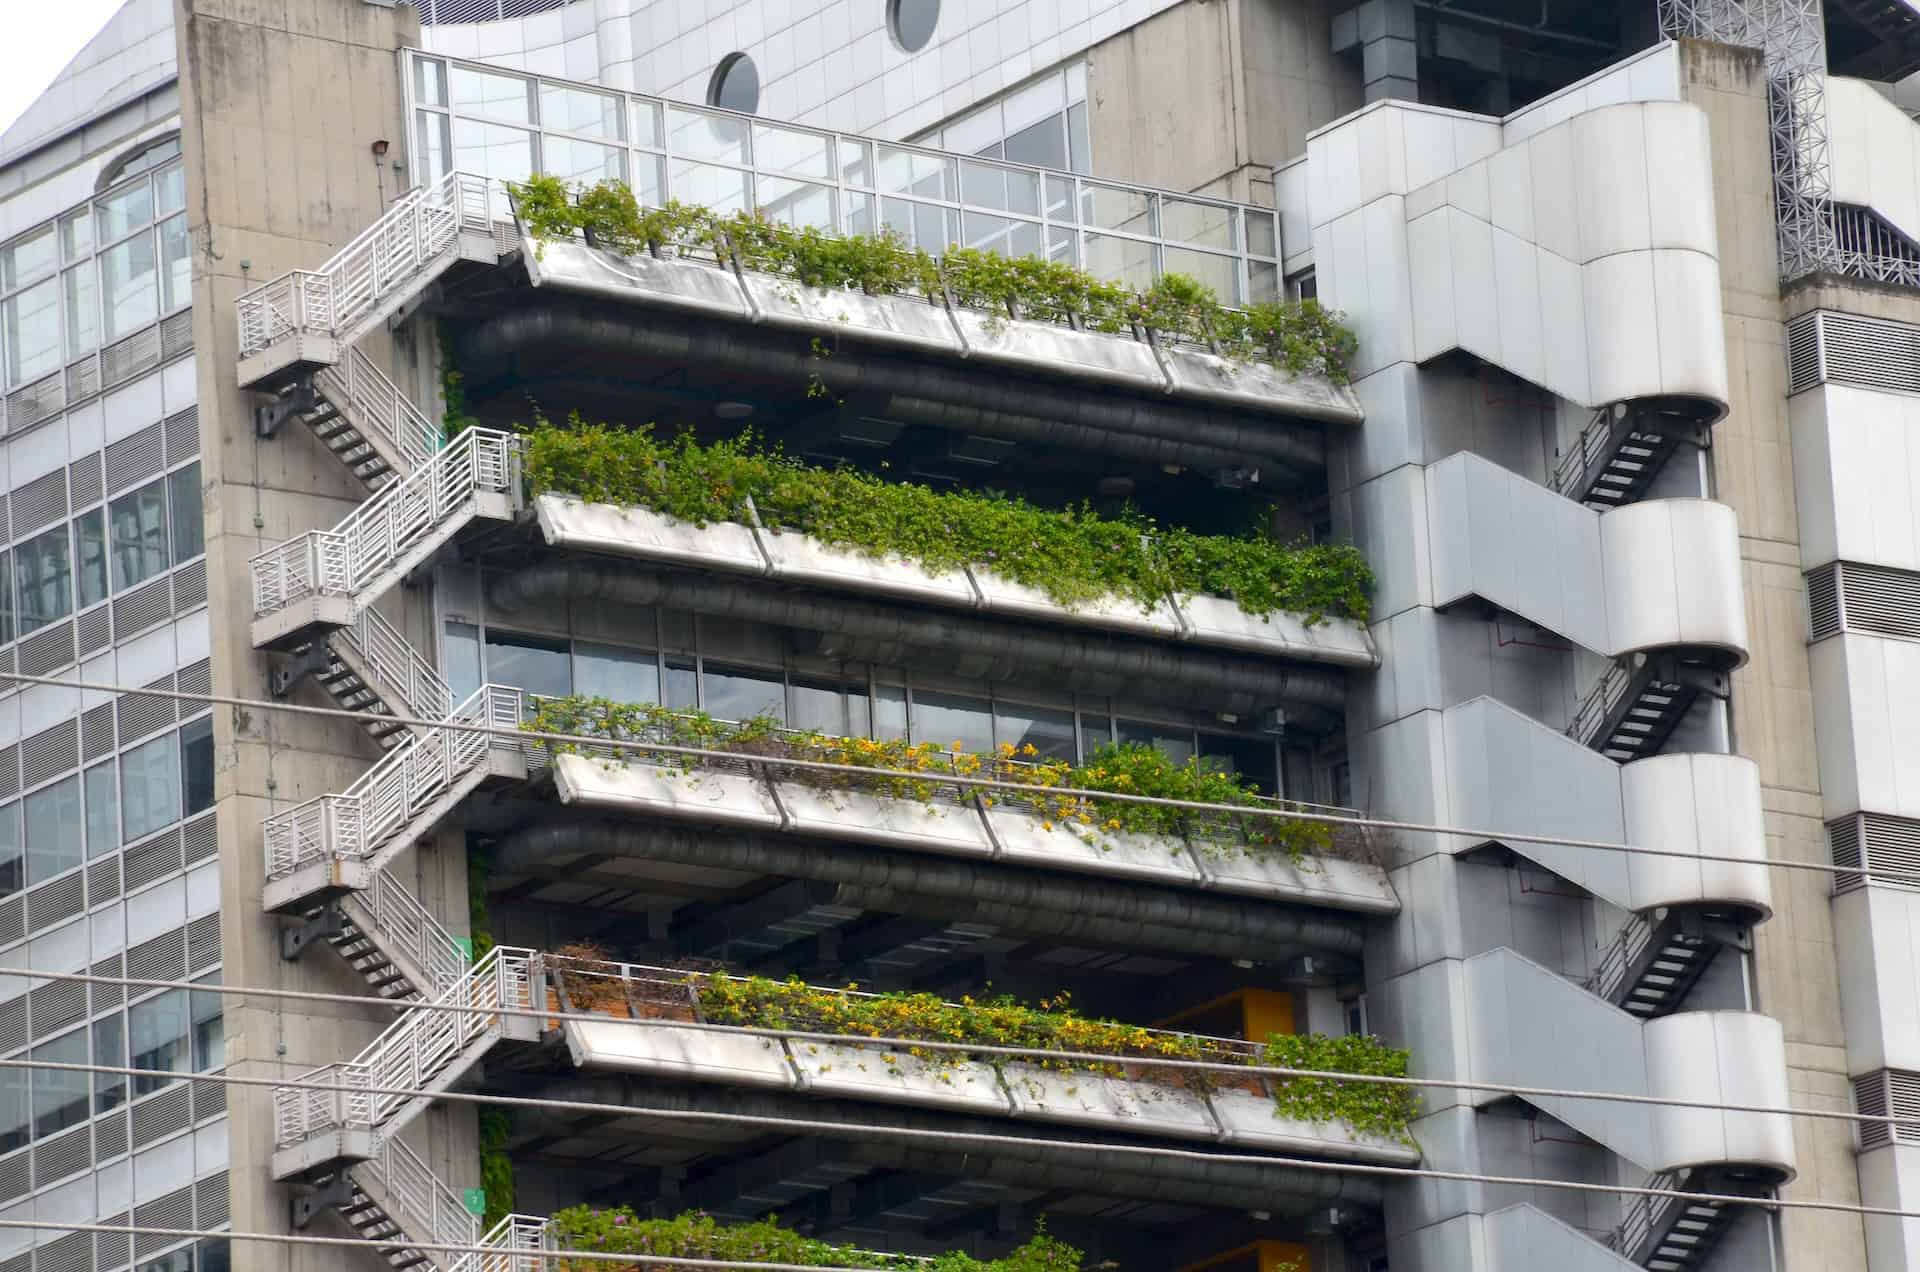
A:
1389, 58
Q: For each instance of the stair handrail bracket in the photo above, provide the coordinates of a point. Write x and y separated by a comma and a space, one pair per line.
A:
346, 1111
299, 300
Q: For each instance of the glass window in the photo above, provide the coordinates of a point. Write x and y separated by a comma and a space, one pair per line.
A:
721, 189
948, 718
60, 1096
682, 685
109, 1047
434, 145
158, 1031
103, 809
1096, 731
818, 705
33, 333
889, 712
646, 124
13, 863
90, 556
138, 525
43, 570
740, 693
462, 667
83, 310
209, 1028
150, 787
1047, 730
618, 675
129, 276
575, 110
170, 191
586, 162
496, 96
429, 82
699, 135
1175, 742
180, 1260
76, 236
176, 263
196, 766
27, 259
6, 597
789, 150
735, 84
493, 149
1250, 758
213, 1254
533, 664
912, 22
124, 211
14, 1109
189, 525
54, 821
1043, 145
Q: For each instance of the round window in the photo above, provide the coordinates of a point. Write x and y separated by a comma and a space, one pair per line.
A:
735, 84
912, 22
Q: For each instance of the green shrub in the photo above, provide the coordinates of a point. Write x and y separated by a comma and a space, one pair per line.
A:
696, 1235
1301, 337
1373, 1107
1073, 555
496, 1166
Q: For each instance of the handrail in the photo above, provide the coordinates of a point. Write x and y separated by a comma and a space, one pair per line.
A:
404, 923
379, 406
423, 1205
1585, 451
1624, 950
410, 1054
1644, 1214
358, 822
1599, 702
402, 670
509, 1243
419, 226
346, 559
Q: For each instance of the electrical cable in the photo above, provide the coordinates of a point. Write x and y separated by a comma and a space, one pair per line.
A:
911, 1044
975, 783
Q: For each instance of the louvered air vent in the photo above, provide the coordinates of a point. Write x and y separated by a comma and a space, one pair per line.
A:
1849, 597
1885, 848
1826, 347
1888, 1093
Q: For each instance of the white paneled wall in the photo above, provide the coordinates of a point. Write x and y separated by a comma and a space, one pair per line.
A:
831, 63
1874, 152
1856, 464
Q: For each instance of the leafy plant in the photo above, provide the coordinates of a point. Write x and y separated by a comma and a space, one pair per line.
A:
1301, 337
479, 918
913, 771
455, 419
574, 964
496, 1165
697, 1235
1074, 555
1373, 1107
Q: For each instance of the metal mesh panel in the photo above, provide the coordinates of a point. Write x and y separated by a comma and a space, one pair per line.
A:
13, 1183
162, 958
176, 335
72, 1253
195, 678
209, 1100
93, 630
109, 995
13, 1023
132, 460
1888, 1093
175, 1210
211, 1205
161, 1115
51, 903
67, 1153
190, 587
1849, 349
6, 664
50, 752
124, 359
1873, 598
183, 435
201, 839
1843, 844
83, 379
85, 481
140, 716
203, 943
47, 651
40, 503
110, 1137
152, 859
41, 400
141, 608
96, 731
103, 881
19, 1262
13, 923
9, 771
54, 1007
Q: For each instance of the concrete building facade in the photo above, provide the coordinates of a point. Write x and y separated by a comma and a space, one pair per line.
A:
1621, 442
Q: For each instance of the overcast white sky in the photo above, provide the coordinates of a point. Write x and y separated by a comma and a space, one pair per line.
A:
40, 39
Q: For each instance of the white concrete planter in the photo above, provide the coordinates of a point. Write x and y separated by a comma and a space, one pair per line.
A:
1022, 837
801, 558
899, 321
1080, 1098
1016, 600
1348, 885
641, 532
1213, 620
728, 799
874, 819
697, 1055
1251, 1119
862, 1072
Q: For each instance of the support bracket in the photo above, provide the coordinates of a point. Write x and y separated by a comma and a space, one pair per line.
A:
310, 660
325, 925
336, 1192
300, 398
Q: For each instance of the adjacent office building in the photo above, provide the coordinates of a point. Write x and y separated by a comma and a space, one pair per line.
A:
1624, 447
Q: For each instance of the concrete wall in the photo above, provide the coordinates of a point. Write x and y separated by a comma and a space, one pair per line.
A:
1772, 718
280, 103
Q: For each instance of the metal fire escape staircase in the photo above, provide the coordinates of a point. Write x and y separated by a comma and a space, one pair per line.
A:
1667, 1234
1661, 954
1637, 703
1622, 450
313, 599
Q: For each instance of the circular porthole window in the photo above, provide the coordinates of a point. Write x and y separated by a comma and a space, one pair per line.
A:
735, 84
912, 22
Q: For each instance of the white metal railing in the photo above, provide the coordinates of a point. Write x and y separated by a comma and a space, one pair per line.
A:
1588, 449
367, 816
402, 923
375, 405
513, 1245
414, 1052
419, 226
347, 559
409, 680
1644, 1214
1624, 951
424, 1207
1606, 694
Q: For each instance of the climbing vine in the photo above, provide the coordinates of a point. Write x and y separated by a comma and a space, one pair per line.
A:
496, 1165
1300, 336
914, 769
699, 1235
1375, 1108
455, 419
1074, 554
